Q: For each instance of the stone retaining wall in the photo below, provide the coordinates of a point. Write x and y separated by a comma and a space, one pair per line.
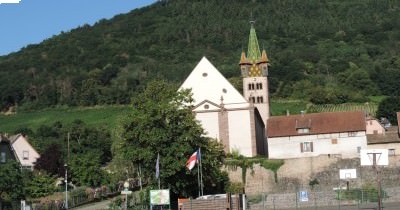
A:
297, 174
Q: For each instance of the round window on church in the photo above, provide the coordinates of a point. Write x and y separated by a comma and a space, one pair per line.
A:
205, 74
206, 106
224, 90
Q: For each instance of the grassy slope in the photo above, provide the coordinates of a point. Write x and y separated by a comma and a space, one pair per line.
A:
106, 116
281, 106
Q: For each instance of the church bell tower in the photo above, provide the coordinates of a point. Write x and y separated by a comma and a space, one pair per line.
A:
254, 69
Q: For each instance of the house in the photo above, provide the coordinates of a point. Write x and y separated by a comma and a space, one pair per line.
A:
6, 152
373, 126
308, 135
224, 113
389, 139
24, 153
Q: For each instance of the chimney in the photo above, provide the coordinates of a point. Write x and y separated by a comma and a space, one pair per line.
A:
287, 112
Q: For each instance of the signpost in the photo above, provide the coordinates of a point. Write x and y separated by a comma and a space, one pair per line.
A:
159, 197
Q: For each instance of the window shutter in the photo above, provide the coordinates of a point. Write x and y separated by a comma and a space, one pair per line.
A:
312, 146
301, 147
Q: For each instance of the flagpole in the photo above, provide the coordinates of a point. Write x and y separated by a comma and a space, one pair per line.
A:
158, 170
198, 178
201, 174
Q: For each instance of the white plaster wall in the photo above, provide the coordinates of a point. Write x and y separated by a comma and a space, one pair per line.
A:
264, 107
206, 82
289, 147
209, 122
240, 132
395, 146
20, 145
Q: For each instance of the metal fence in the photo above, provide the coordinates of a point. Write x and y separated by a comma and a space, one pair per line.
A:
335, 199
76, 198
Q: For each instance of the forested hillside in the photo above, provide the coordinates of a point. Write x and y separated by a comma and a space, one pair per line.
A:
322, 51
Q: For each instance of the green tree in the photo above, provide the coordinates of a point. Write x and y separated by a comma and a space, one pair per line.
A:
161, 122
51, 161
40, 185
11, 182
388, 109
85, 170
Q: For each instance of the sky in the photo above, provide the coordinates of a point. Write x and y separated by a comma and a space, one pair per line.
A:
32, 21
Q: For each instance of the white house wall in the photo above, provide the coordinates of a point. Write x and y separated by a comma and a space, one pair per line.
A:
209, 122
21, 145
289, 147
240, 132
207, 83
390, 146
374, 127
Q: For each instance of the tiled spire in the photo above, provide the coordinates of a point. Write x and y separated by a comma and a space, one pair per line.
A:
253, 50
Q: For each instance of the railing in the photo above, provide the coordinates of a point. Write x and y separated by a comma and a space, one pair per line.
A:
339, 199
76, 198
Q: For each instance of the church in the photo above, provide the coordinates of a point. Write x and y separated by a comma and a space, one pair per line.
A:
236, 121
242, 123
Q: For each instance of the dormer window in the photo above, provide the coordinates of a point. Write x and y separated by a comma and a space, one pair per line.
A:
303, 125
303, 130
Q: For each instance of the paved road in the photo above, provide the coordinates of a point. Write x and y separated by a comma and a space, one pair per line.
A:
102, 205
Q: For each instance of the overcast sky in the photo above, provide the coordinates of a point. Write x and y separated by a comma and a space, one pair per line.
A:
32, 21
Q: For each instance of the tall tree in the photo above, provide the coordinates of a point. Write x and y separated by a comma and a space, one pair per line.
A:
11, 184
40, 185
85, 170
51, 161
388, 109
161, 122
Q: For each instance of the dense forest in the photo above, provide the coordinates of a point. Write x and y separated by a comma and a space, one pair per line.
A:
320, 51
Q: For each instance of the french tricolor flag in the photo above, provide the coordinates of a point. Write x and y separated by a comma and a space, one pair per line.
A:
193, 160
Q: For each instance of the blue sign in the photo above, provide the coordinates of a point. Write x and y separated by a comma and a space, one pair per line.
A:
303, 196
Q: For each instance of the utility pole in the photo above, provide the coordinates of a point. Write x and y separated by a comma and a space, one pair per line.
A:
66, 174
66, 186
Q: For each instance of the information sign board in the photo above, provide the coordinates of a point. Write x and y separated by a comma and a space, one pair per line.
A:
159, 197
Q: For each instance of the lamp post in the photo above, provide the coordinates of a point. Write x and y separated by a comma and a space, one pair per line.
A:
126, 186
66, 186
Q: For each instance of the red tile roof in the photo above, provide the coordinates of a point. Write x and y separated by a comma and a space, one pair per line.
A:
318, 123
391, 136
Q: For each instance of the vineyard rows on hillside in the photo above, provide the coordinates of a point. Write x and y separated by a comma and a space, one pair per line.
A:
369, 108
